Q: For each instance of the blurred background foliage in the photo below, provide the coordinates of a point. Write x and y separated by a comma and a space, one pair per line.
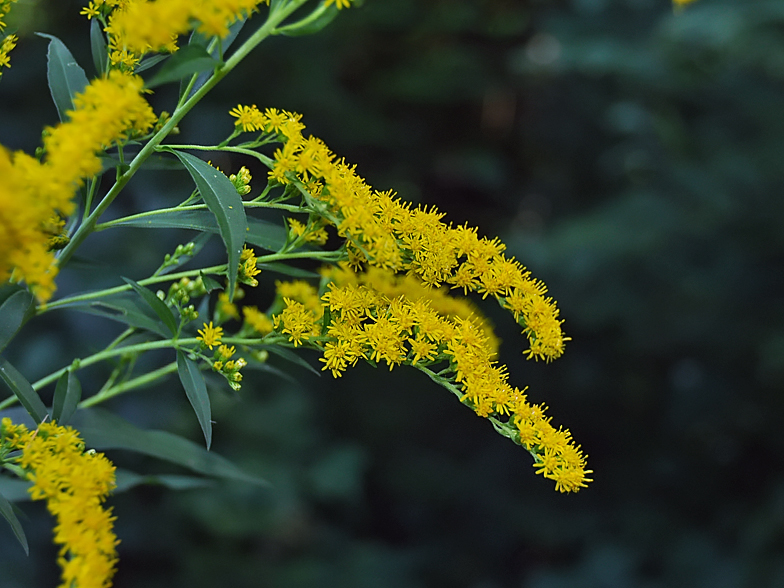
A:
631, 157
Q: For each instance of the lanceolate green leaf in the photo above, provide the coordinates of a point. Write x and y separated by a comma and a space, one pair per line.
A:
103, 430
158, 306
7, 510
12, 314
126, 480
23, 391
196, 390
66, 78
260, 233
289, 355
126, 308
67, 395
187, 61
98, 46
221, 198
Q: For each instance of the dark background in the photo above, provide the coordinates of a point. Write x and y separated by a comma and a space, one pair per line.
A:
631, 157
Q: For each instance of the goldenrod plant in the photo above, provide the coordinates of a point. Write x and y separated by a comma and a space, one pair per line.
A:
394, 288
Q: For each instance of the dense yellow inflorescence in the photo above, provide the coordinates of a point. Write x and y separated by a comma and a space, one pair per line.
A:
136, 27
74, 483
388, 304
385, 232
396, 320
32, 191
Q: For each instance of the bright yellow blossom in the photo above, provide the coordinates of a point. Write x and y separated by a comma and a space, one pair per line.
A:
74, 483
210, 336
31, 191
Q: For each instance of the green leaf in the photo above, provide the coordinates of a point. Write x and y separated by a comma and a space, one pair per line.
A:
126, 308
187, 61
221, 198
13, 313
126, 480
158, 306
67, 395
23, 391
261, 233
149, 62
7, 510
66, 78
289, 355
196, 391
98, 47
104, 430
312, 23
210, 284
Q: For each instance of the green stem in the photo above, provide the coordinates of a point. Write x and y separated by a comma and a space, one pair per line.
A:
129, 385
106, 354
268, 28
151, 213
215, 269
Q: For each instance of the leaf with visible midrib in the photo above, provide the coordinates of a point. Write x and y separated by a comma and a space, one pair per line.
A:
7, 510
221, 197
104, 430
23, 391
66, 78
12, 315
196, 391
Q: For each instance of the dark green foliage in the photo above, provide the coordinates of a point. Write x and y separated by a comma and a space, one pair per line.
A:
631, 158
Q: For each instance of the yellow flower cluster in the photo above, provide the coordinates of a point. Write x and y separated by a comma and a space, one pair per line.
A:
679, 3
32, 191
74, 483
385, 232
380, 317
140, 26
6, 45
258, 321
5, 8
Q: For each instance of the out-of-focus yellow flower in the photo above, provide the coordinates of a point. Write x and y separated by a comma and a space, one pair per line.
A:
74, 483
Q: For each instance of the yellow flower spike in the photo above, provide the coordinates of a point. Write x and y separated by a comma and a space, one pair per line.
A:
74, 483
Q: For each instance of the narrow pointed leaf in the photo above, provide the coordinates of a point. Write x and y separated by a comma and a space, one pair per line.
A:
261, 233
98, 47
289, 355
210, 284
67, 395
7, 510
149, 62
23, 391
126, 308
126, 480
196, 390
12, 315
157, 305
66, 78
104, 430
221, 197
187, 61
